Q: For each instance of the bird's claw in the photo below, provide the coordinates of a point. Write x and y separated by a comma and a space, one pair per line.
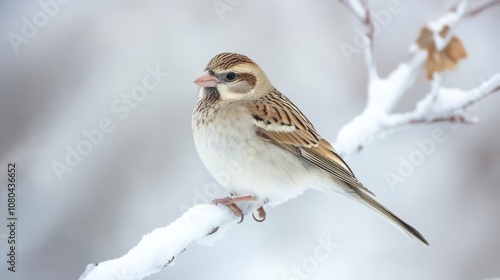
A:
237, 211
231, 203
261, 213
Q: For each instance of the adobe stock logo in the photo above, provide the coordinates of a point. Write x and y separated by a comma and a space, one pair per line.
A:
40, 19
224, 6
407, 165
324, 249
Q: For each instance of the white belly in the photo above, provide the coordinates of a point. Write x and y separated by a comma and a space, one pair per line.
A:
247, 165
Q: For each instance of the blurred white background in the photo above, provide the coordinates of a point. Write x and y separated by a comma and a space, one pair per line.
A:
83, 59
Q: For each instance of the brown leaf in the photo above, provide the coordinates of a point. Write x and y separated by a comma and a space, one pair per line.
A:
438, 61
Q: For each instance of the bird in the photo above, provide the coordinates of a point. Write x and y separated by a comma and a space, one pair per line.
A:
262, 148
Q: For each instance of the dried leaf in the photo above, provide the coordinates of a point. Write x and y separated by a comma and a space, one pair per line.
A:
438, 61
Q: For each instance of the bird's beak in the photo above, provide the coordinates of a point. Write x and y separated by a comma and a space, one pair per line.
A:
206, 80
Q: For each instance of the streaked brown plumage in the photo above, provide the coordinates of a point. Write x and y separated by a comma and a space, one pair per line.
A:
239, 111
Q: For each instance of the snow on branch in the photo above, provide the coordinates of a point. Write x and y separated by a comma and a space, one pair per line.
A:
445, 104
202, 224
436, 49
356, 8
478, 6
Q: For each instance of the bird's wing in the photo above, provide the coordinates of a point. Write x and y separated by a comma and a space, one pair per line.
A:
280, 122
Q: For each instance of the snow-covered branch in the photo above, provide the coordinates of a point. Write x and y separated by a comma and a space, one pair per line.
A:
438, 49
356, 8
202, 224
478, 6
445, 104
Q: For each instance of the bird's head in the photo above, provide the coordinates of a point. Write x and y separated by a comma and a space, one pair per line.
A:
234, 76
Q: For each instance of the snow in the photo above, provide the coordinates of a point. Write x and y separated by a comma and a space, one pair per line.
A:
161, 246
384, 94
450, 19
439, 104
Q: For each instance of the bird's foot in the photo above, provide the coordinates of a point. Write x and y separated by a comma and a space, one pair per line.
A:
262, 215
231, 203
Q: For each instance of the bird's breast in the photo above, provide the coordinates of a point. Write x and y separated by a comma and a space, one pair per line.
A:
243, 163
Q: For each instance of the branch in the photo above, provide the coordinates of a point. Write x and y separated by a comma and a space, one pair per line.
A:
480, 6
202, 224
384, 94
356, 8
449, 105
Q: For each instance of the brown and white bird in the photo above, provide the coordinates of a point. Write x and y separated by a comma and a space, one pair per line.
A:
261, 148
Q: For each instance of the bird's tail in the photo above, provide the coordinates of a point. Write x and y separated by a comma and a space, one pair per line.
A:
384, 212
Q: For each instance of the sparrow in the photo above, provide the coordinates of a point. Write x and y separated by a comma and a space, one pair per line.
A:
262, 148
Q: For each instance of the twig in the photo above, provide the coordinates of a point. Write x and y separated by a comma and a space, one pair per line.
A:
356, 8
479, 6
385, 93
449, 105
203, 224
369, 38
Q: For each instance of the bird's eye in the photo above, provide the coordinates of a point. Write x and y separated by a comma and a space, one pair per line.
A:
230, 76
